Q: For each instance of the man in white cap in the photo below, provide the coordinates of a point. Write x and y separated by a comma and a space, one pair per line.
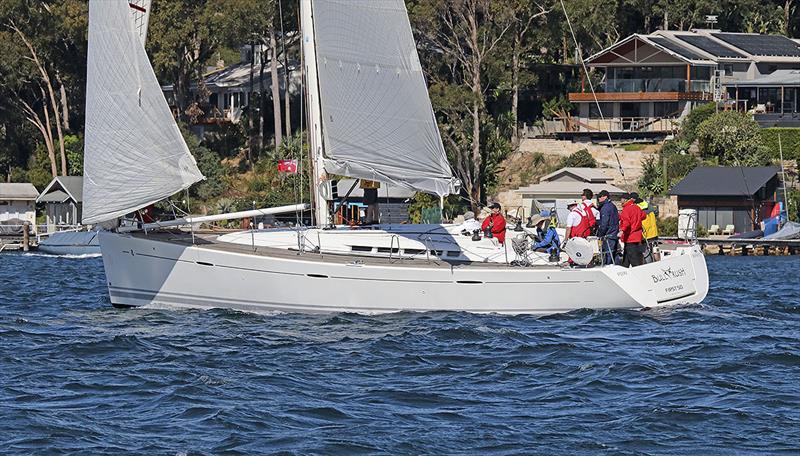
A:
577, 220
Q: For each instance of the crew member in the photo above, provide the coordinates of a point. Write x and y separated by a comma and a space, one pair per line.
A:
577, 220
589, 207
630, 231
650, 231
470, 224
608, 227
372, 215
547, 237
495, 223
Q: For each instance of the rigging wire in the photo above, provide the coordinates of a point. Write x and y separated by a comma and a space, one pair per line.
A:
591, 87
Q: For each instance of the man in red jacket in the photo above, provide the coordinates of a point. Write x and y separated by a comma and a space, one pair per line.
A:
630, 231
495, 223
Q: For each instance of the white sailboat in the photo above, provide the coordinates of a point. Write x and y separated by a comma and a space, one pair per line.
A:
370, 117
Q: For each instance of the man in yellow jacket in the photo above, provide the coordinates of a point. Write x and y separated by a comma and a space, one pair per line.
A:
649, 231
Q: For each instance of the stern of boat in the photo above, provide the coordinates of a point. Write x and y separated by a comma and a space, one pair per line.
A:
678, 279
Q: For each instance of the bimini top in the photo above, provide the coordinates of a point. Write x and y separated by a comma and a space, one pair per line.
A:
724, 181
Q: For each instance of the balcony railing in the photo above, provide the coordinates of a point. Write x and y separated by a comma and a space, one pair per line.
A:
655, 85
613, 124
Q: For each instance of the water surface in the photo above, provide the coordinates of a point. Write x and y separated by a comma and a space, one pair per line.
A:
80, 377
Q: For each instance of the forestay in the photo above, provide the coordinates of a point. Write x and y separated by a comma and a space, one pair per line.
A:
134, 152
377, 120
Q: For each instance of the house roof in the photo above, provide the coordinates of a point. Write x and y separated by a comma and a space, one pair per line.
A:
18, 191
567, 189
55, 196
724, 181
585, 174
764, 45
672, 48
777, 77
704, 47
72, 186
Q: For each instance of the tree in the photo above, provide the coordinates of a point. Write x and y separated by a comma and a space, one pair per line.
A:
461, 37
182, 36
732, 138
523, 18
255, 22
40, 43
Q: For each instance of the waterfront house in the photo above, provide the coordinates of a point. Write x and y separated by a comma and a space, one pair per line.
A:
63, 199
729, 195
18, 204
558, 187
648, 83
224, 93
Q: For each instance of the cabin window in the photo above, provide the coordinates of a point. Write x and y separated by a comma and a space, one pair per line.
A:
387, 250
454, 253
413, 251
360, 248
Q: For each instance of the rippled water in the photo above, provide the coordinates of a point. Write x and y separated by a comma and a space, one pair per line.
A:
77, 376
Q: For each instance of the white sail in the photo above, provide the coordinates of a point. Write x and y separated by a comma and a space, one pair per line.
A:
377, 120
134, 153
141, 17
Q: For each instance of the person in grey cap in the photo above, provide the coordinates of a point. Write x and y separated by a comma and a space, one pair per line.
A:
470, 224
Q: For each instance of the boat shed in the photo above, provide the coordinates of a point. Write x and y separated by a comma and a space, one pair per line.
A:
18, 203
63, 199
558, 187
729, 195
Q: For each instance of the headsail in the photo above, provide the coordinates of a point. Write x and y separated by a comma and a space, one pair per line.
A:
134, 153
141, 17
377, 118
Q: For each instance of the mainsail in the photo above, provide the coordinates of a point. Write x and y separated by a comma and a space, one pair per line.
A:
377, 120
134, 153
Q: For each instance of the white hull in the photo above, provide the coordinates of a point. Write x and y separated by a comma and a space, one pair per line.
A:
156, 270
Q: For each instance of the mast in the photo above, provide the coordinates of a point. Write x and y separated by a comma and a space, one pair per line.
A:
320, 185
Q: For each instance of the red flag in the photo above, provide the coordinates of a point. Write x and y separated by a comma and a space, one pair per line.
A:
287, 166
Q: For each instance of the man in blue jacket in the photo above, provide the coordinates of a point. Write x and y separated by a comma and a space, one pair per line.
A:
608, 227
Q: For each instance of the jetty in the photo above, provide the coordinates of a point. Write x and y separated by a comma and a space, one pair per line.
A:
744, 247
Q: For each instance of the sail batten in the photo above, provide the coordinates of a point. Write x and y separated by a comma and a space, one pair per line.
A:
377, 118
134, 152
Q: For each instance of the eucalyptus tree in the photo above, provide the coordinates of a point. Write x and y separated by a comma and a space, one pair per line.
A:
41, 41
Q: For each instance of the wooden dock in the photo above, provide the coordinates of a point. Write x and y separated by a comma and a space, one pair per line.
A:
744, 247
15, 242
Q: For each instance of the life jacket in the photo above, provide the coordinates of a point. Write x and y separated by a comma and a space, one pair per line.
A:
590, 213
583, 229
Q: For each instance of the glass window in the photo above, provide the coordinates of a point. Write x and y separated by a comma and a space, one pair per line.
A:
668, 109
608, 110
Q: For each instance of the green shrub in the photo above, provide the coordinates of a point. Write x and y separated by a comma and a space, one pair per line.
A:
790, 142
580, 159
697, 115
732, 138
667, 226
633, 147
